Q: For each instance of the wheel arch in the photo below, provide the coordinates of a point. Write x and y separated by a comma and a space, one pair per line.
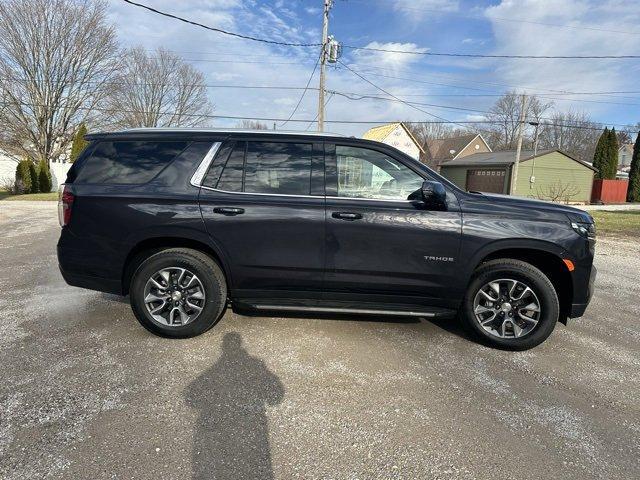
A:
147, 247
546, 258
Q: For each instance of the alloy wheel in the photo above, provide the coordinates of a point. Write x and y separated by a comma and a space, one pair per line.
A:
507, 308
174, 296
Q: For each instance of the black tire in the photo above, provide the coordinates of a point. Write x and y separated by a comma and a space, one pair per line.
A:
209, 273
530, 275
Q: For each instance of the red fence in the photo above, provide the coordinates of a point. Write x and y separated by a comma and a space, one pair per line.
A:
609, 191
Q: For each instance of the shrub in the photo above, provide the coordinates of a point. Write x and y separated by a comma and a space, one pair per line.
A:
612, 155
600, 154
44, 177
633, 193
33, 175
23, 177
79, 143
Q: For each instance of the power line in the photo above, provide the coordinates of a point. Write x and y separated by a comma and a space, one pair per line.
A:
219, 30
397, 99
390, 94
519, 87
349, 122
514, 20
550, 96
478, 55
318, 114
375, 49
303, 93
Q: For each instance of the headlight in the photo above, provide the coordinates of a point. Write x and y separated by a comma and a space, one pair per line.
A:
587, 230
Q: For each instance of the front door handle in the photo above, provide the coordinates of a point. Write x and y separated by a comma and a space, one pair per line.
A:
228, 211
350, 216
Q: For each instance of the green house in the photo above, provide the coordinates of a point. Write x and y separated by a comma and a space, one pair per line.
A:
549, 175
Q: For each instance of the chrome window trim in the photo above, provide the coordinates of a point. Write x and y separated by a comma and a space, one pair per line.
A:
201, 171
372, 199
262, 194
307, 196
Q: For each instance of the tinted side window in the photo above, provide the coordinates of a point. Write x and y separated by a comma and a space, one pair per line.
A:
213, 175
231, 178
130, 162
364, 173
283, 168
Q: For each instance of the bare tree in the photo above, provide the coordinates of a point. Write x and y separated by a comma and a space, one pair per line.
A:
505, 114
572, 132
252, 125
158, 90
558, 192
431, 131
56, 60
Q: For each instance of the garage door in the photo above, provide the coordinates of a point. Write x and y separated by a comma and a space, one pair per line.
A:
486, 180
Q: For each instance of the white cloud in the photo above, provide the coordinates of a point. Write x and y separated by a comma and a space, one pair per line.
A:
423, 8
473, 41
589, 20
537, 39
389, 60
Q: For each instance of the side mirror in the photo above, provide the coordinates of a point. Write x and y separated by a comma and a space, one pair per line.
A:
434, 194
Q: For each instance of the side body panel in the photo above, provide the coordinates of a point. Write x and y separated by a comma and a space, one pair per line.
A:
494, 223
275, 246
398, 251
109, 220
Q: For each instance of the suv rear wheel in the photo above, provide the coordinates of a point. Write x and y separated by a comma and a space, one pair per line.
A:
510, 304
178, 292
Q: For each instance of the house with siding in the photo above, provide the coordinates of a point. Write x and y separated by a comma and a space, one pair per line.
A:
545, 175
625, 154
399, 136
442, 150
7, 168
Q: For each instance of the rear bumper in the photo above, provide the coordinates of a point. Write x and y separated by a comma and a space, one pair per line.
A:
78, 273
578, 309
92, 283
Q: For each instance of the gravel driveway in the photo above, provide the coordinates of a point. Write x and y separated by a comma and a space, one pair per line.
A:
87, 393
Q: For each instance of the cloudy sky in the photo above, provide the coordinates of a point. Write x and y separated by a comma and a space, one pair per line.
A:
468, 86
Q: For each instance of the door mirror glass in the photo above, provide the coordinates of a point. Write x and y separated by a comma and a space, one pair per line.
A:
434, 194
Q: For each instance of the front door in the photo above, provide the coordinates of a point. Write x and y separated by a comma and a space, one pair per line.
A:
381, 246
263, 206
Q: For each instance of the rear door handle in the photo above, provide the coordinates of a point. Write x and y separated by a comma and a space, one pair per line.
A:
228, 211
347, 215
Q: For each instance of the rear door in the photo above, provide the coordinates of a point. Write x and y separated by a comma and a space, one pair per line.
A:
263, 205
382, 247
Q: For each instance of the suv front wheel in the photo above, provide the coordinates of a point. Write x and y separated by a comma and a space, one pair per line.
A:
178, 292
510, 304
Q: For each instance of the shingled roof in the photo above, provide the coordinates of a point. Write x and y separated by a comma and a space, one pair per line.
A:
505, 157
441, 149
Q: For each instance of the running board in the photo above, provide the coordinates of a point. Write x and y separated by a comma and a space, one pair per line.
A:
359, 311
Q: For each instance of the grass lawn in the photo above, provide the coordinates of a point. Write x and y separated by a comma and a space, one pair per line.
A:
7, 197
617, 224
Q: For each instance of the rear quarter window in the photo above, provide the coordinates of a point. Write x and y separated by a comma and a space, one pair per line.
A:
128, 162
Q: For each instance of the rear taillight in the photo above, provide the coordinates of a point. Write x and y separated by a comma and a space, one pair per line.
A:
65, 204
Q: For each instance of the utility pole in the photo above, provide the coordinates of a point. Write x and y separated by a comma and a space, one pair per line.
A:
323, 61
532, 178
514, 170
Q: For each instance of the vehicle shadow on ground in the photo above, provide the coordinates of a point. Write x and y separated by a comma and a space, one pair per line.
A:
231, 439
451, 325
324, 316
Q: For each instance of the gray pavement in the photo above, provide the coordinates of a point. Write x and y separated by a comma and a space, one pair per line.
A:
85, 392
